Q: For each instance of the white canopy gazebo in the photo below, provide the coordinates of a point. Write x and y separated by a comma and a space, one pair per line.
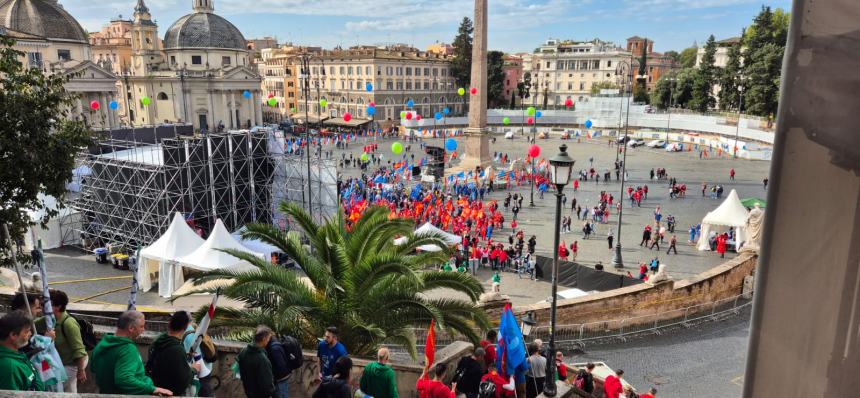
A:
429, 229
161, 256
731, 213
51, 235
209, 256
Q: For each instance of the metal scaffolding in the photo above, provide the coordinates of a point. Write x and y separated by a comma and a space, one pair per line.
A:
237, 176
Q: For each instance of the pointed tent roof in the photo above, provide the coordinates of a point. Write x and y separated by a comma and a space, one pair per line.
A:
177, 241
208, 257
730, 213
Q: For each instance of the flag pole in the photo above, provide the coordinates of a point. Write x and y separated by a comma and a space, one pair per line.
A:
47, 308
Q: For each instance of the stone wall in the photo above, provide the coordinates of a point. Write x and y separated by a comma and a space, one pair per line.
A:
665, 300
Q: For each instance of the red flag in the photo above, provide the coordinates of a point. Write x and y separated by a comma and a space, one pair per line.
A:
430, 345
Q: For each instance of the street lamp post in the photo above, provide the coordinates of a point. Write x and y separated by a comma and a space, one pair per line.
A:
738, 128
617, 262
306, 90
561, 167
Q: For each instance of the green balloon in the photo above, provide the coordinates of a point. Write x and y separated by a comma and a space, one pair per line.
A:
530, 111
145, 101
272, 102
402, 114
506, 120
292, 110
363, 157
396, 148
461, 91
323, 103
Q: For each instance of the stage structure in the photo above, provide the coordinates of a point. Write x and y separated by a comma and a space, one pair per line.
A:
237, 176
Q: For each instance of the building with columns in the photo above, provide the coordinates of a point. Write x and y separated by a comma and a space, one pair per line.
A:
398, 74
53, 41
200, 76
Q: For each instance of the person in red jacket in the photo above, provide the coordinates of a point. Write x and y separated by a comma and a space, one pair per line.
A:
652, 393
489, 346
721, 245
435, 388
612, 387
503, 388
562, 252
560, 366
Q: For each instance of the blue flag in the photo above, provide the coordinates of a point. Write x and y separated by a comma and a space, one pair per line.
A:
512, 351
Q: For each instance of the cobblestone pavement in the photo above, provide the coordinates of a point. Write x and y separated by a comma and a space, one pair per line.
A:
539, 220
706, 360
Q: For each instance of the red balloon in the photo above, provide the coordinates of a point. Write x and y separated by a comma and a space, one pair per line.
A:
271, 95
372, 104
568, 102
417, 117
534, 151
94, 105
473, 91
347, 117
408, 115
530, 120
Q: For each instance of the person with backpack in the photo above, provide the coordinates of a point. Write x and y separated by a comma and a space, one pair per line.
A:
168, 362
469, 371
18, 373
68, 341
254, 367
493, 385
336, 385
205, 354
285, 354
116, 363
584, 379
378, 378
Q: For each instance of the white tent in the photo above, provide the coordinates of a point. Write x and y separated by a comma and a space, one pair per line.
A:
209, 257
255, 245
161, 256
52, 234
731, 213
428, 229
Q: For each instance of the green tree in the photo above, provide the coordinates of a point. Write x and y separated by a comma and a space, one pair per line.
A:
684, 87
730, 79
38, 143
706, 74
596, 87
673, 55
661, 95
495, 79
765, 46
687, 58
358, 280
461, 65
640, 94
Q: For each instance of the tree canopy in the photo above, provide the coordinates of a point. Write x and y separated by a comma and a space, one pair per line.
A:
461, 65
706, 75
38, 143
495, 79
687, 58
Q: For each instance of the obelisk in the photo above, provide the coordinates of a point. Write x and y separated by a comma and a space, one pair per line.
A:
477, 143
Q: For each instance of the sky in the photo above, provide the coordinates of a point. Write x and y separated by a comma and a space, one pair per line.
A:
514, 25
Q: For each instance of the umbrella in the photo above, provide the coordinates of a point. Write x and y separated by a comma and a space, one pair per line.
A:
749, 203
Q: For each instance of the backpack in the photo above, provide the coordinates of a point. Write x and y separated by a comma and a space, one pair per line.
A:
293, 351
487, 389
88, 334
207, 347
579, 382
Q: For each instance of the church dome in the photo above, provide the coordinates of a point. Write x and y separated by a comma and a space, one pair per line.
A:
203, 30
43, 18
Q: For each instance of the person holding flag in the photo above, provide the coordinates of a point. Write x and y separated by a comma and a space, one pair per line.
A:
511, 359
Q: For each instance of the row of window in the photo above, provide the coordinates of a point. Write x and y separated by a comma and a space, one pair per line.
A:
198, 60
389, 71
588, 64
34, 58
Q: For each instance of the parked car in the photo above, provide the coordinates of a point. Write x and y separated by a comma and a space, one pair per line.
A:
623, 139
675, 147
635, 142
656, 144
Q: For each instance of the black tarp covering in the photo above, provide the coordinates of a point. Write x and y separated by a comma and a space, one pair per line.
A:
573, 275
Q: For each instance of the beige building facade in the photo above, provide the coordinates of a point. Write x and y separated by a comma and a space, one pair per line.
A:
53, 41
562, 70
397, 75
280, 69
111, 46
202, 75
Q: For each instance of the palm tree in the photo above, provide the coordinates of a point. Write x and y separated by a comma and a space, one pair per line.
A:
372, 290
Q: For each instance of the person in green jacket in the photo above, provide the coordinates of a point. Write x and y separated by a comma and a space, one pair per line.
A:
16, 371
255, 370
168, 362
378, 380
116, 363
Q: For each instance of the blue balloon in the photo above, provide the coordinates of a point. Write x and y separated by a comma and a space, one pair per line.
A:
369, 87
371, 110
114, 105
538, 114
246, 94
410, 103
446, 111
451, 144
588, 124
438, 115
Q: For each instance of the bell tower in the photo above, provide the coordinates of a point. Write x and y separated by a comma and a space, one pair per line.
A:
144, 40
